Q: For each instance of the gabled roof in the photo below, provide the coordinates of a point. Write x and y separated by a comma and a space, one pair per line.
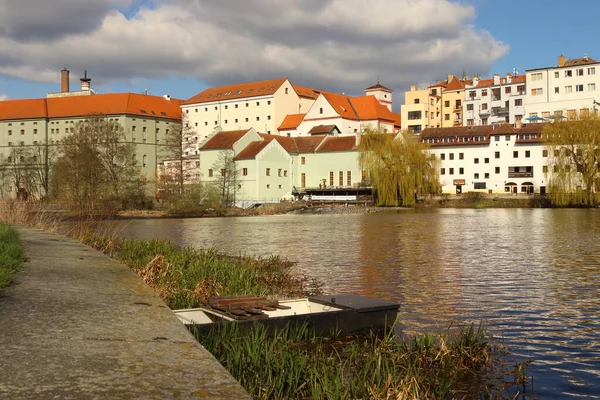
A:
308, 144
341, 104
288, 143
322, 129
579, 61
291, 122
252, 150
338, 143
379, 86
81, 106
360, 108
237, 91
456, 84
485, 83
306, 92
223, 140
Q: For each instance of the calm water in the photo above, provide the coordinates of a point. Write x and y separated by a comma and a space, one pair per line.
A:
532, 276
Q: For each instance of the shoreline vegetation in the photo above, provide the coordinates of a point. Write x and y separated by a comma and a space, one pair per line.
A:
11, 254
462, 362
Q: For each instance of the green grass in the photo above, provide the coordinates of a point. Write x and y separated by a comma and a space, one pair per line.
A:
296, 364
186, 277
10, 254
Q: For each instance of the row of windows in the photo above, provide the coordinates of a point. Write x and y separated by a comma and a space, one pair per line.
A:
486, 160
226, 106
520, 90
280, 172
235, 121
23, 123
35, 131
578, 88
538, 76
486, 175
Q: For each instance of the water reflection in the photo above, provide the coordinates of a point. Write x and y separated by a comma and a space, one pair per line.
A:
530, 275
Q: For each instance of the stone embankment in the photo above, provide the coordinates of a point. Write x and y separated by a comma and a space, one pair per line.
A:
78, 324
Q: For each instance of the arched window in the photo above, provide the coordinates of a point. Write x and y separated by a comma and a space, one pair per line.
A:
321, 110
286, 90
144, 160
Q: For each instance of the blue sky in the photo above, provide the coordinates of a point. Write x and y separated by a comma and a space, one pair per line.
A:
180, 47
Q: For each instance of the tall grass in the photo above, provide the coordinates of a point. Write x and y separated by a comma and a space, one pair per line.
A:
186, 277
27, 213
10, 254
296, 364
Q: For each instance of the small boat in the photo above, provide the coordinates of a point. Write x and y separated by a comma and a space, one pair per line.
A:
344, 314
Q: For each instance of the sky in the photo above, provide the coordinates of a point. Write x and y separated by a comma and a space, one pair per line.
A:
181, 47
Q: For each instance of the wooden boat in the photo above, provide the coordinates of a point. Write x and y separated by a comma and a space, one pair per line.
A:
345, 313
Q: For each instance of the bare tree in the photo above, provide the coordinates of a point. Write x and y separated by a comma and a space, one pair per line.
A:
178, 162
227, 179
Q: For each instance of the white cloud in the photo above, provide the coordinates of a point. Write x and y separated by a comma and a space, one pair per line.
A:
331, 44
3, 97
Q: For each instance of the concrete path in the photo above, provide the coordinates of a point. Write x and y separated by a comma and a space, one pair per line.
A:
78, 325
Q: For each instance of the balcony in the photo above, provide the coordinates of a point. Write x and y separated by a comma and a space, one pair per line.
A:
500, 110
484, 113
519, 93
520, 174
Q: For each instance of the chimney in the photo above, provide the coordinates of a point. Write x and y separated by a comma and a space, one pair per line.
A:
561, 60
496, 79
64, 80
449, 78
85, 82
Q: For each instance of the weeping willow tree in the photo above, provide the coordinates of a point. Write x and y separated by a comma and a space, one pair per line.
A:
400, 168
573, 149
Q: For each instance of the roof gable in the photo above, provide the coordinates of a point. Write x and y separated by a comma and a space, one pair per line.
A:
252, 150
237, 91
291, 121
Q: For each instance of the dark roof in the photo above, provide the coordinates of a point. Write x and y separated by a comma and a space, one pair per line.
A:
379, 86
223, 140
338, 143
322, 129
252, 150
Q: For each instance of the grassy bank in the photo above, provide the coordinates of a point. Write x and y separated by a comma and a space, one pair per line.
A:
186, 277
10, 254
295, 364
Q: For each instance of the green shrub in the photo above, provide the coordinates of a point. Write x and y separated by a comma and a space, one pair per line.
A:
10, 254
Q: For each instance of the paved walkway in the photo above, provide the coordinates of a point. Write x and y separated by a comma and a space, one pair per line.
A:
77, 324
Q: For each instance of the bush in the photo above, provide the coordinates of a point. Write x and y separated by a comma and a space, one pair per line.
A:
10, 254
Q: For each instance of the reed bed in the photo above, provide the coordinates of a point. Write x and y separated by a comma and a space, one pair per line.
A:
11, 254
296, 364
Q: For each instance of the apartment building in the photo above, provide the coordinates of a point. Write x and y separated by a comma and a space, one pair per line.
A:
46, 121
495, 101
490, 158
439, 105
259, 105
571, 87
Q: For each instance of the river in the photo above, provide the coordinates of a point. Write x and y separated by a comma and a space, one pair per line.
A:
531, 276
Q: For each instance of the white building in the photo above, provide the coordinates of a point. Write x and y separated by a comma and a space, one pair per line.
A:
567, 89
490, 159
494, 101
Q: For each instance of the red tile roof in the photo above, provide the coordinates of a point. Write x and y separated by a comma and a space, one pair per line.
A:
288, 143
223, 140
237, 91
291, 122
485, 83
308, 144
360, 108
519, 79
579, 61
80, 106
321, 129
252, 150
341, 104
337, 143
306, 92
456, 84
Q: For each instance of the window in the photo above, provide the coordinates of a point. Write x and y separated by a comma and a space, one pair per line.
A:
330, 178
447, 117
451, 171
225, 122
568, 89
507, 90
580, 72
518, 102
23, 131
302, 160
484, 92
497, 170
247, 105
486, 175
285, 172
479, 185
303, 180
447, 103
144, 160
497, 154
236, 120
592, 71
245, 171
236, 106
568, 73
556, 90
10, 132
247, 119
470, 122
476, 161
545, 169
527, 153
443, 171
469, 107
268, 171
268, 102
279, 172
269, 117
556, 75
257, 103
591, 87
484, 106
451, 156
321, 110
486, 160
461, 156
537, 92
443, 156
537, 76
341, 178
223, 171
461, 170
205, 123
268, 186
9, 144
258, 118
417, 101
515, 154
579, 88
507, 138
476, 175
210, 173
